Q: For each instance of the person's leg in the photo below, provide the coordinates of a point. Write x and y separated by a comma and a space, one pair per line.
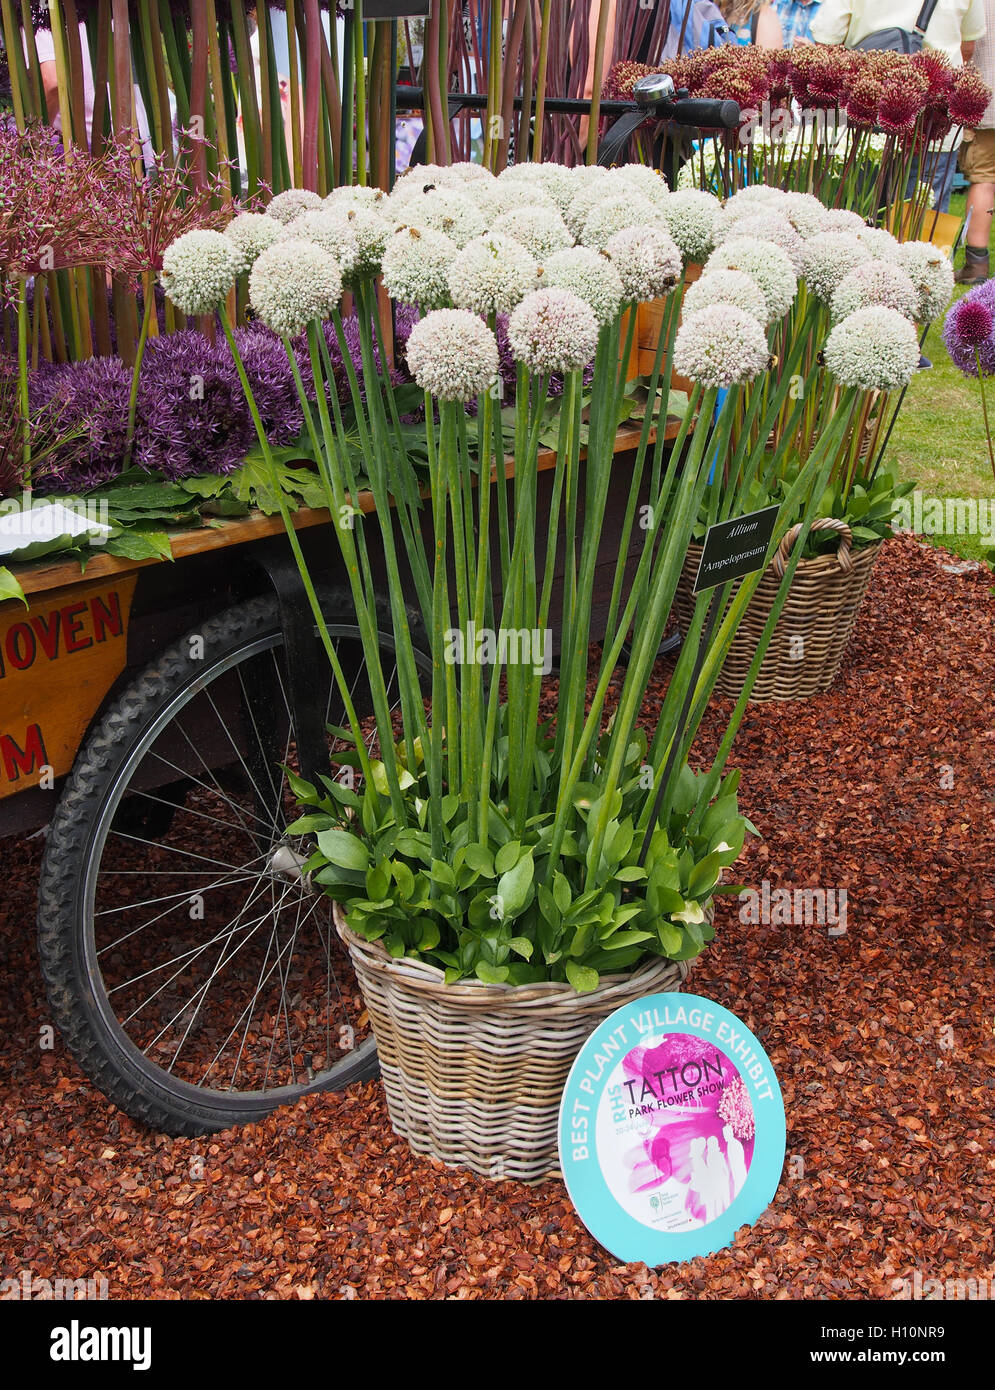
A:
978, 163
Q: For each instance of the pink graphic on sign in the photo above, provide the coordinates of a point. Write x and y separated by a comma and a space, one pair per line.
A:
692, 1125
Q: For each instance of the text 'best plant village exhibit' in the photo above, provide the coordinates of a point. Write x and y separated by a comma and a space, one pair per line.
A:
497, 510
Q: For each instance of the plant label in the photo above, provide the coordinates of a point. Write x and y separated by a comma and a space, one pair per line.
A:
734, 548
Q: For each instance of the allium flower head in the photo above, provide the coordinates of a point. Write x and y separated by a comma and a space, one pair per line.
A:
727, 287
745, 202
969, 333
250, 233
332, 232
647, 181
199, 269
882, 245
875, 282
805, 213
445, 210
766, 264
648, 261
969, 97
693, 218
843, 220
452, 354
875, 349
291, 203
768, 226
719, 346
292, 283
593, 189
932, 273
556, 181
498, 196
553, 331
829, 258
354, 195
491, 274
591, 275
615, 214
541, 231
416, 267
901, 100
371, 232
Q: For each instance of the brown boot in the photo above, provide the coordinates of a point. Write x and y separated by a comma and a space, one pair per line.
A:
975, 270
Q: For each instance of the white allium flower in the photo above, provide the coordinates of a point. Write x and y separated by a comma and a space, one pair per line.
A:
416, 267
498, 196
719, 346
372, 233
615, 213
875, 349
445, 210
553, 331
355, 195
843, 220
591, 275
746, 201
332, 232
491, 274
542, 231
648, 261
452, 354
932, 273
766, 264
829, 258
591, 191
767, 226
882, 245
292, 283
648, 182
727, 287
288, 205
198, 270
693, 220
805, 213
421, 177
875, 282
556, 181
250, 233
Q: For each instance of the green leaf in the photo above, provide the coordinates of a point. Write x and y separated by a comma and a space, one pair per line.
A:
480, 859
522, 946
140, 545
670, 937
513, 887
704, 875
307, 825
10, 587
507, 856
582, 977
561, 891
625, 938
341, 848
491, 974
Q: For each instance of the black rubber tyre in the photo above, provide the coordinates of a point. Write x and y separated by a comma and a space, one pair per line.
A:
121, 783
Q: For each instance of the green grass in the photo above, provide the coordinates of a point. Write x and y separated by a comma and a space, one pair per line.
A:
939, 440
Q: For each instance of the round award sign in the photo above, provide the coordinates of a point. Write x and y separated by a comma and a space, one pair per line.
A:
671, 1129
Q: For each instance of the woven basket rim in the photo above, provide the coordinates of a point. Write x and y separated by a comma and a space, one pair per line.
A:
811, 564
428, 979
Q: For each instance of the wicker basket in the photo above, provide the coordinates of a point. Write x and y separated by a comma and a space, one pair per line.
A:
474, 1072
821, 609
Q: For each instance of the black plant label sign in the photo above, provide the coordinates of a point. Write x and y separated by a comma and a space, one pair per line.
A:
395, 9
734, 548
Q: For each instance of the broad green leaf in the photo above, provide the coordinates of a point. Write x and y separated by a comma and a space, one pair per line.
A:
10, 587
582, 977
507, 856
491, 974
513, 886
343, 849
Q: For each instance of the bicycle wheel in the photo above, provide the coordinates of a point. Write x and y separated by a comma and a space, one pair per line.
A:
193, 971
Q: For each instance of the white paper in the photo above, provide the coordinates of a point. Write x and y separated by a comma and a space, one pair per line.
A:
45, 523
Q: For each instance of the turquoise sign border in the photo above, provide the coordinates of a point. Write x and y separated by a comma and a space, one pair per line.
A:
621, 1234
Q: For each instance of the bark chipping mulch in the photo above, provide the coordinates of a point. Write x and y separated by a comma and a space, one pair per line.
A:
882, 1039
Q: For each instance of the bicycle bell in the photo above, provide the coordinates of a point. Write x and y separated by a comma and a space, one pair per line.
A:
653, 88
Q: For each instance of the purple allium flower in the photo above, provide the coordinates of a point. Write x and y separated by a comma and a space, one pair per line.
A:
969, 332
272, 382
194, 415
91, 398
